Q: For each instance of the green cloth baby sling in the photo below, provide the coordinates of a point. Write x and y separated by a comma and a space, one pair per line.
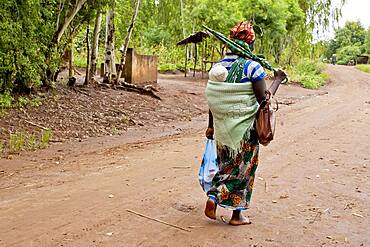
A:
233, 106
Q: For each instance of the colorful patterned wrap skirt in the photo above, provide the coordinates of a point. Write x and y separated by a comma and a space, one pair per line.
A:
232, 186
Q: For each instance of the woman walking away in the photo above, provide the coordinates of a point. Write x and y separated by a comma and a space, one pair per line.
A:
233, 106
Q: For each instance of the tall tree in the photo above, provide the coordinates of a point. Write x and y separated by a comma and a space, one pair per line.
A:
182, 18
95, 45
348, 43
87, 77
110, 64
367, 41
67, 20
127, 40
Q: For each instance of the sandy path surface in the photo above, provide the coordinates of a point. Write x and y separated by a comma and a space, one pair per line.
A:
313, 187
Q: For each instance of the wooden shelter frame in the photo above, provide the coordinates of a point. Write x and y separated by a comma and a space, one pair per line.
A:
196, 38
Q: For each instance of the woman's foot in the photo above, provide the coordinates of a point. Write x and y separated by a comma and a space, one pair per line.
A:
238, 219
210, 210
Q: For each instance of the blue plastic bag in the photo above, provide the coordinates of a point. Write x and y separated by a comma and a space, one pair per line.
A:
209, 167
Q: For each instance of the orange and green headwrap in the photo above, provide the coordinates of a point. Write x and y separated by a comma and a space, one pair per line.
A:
244, 32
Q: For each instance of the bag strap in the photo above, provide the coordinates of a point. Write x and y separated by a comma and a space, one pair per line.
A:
267, 100
236, 71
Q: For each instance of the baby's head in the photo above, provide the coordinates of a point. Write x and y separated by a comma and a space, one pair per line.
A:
218, 73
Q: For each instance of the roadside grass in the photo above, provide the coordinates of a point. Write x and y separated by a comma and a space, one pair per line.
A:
363, 67
24, 141
310, 74
45, 137
115, 131
8, 101
167, 67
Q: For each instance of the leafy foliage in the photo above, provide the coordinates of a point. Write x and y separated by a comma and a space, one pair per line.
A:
284, 27
22, 46
309, 74
31, 51
347, 53
19, 141
367, 41
349, 41
6, 100
28, 54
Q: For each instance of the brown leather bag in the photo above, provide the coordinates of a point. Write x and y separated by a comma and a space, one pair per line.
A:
266, 121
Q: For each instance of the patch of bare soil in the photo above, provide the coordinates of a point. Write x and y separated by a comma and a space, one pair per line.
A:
82, 112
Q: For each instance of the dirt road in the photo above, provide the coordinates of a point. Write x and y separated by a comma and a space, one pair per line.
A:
313, 187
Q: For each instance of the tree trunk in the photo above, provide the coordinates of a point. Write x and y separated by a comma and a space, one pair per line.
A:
61, 6
127, 40
87, 78
71, 13
110, 66
71, 78
95, 46
71, 60
67, 20
182, 18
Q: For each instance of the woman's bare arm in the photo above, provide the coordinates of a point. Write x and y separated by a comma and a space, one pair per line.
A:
279, 78
259, 87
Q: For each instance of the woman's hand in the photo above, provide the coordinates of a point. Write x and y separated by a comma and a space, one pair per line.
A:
280, 75
209, 133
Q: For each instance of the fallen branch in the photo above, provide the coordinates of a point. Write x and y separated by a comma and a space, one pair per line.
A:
287, 102
358, 215
150, 87
56, 140
81, 92
37, 125
77, 72
157, 220
25, 113
193, 227
142, 90
105, 85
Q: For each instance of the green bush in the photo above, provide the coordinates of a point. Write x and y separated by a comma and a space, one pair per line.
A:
167, 67
309, 74
348, 53
171, 58
23, 101
80, 60
6, 100
24, 37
